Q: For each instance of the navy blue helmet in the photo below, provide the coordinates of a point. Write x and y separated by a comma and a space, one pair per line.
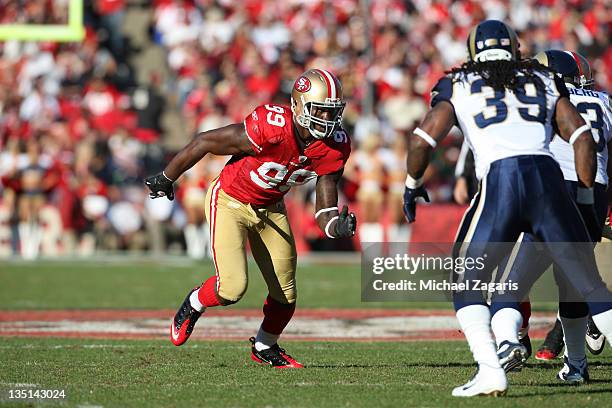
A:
492, 40
573, 67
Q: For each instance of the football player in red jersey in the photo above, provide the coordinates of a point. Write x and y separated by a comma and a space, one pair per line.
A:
275, 148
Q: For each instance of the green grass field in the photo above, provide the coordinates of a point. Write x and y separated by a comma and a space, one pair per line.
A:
162, 284
159, 284
219, 374
151, 373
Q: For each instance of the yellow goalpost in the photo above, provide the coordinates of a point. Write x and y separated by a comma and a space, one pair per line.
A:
73, 31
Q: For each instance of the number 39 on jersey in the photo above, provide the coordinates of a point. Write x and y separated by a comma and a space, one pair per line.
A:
499, 123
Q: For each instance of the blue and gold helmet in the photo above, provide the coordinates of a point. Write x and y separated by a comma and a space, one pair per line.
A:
573, 67
492, 40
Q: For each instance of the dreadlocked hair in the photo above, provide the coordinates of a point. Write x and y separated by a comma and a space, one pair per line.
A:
499, 74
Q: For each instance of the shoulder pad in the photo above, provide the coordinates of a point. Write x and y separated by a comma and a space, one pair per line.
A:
442, 91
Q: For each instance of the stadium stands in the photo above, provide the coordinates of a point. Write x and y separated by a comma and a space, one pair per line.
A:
78, 132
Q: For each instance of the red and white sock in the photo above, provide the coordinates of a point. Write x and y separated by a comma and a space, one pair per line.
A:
265, 340
276, 317
194, 301
205, 296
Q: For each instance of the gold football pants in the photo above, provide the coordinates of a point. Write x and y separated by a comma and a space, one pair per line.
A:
269, 235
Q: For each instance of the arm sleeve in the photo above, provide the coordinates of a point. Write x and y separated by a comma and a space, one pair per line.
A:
253, 129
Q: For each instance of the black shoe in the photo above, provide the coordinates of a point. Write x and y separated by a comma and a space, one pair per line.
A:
184, 321
595, 341
553, 343
274, 356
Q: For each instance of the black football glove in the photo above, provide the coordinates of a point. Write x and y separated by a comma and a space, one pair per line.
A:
160, 186
345, 224
410, 196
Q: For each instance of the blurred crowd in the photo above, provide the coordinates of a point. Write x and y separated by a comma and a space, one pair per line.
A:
34, 12
78, 132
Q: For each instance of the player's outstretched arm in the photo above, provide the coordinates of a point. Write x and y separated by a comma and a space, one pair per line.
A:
573, 129
227, 140
335, 224
434, 128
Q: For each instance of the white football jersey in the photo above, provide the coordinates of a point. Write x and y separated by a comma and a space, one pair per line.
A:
595, 108
506, 123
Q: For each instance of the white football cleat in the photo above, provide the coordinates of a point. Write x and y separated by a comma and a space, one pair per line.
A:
486, 381
595, 341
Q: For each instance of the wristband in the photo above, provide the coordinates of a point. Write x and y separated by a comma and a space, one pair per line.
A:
425, 136
329, 223
324, 210
585, 196
412, 183
577, 133
167, 178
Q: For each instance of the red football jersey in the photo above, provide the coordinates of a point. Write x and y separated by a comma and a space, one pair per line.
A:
278, 164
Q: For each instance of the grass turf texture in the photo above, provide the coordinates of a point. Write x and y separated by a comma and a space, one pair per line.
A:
220, 374
120, 373
158, 285
163, 284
